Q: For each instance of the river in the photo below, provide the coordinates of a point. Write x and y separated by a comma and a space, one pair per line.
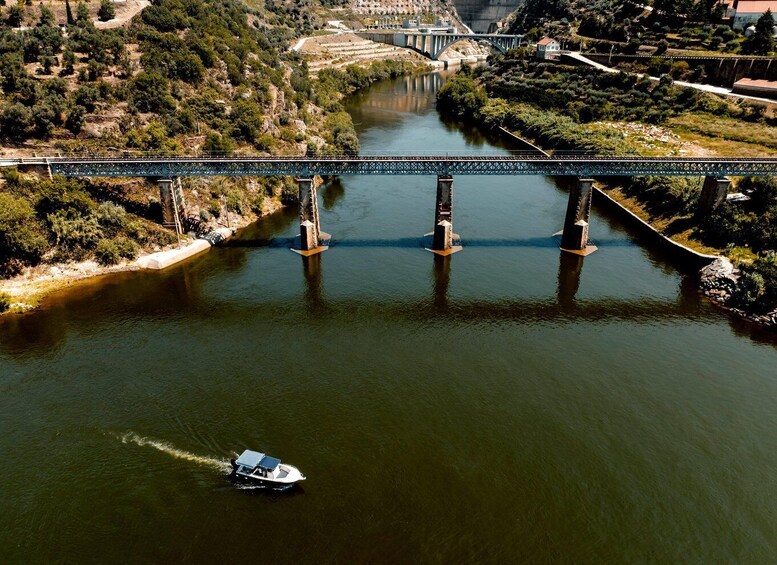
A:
509, 403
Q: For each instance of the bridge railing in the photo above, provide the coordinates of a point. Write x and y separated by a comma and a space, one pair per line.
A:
391, 156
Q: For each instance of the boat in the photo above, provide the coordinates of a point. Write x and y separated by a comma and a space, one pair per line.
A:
261, 469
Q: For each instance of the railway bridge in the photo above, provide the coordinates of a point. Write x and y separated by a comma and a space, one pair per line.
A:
433, 44
168, 169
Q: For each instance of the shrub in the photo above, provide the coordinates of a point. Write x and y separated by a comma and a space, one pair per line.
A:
17, 121
107, 253
462, 97
75, 231
257, 203
5, 302
106, 11
111, 216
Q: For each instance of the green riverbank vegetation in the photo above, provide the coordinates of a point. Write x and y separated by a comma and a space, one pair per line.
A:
571, 108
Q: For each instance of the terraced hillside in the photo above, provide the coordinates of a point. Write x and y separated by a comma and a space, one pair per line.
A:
341, 50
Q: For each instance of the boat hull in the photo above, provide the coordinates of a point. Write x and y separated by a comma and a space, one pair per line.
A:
261, 481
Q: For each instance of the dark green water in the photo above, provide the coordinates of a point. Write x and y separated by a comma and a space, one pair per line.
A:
507, 405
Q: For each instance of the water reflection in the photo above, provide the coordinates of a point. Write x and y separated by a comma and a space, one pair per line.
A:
314, 295
331, 193
570, 267
441, 275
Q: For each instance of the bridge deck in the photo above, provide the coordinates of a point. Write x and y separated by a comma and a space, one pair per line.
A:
515, 164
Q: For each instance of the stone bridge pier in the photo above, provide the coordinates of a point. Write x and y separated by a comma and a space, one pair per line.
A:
173, 203
444, 241
312, 239
713, 194
574, 238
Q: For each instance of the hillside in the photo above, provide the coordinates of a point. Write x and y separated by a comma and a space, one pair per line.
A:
178, 76
625, 26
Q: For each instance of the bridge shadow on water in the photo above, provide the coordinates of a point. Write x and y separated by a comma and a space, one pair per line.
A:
419, 242
179, 294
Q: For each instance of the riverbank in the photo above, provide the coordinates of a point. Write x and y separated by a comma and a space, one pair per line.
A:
743, 228
29, 289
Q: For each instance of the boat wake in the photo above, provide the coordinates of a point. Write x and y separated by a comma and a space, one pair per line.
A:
163, 446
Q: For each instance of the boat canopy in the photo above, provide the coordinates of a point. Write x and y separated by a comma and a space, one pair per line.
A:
253, 459
269, 463
250, 458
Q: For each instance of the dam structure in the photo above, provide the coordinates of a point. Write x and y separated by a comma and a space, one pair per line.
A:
481, 15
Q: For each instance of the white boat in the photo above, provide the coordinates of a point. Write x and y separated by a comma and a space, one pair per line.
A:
262, 469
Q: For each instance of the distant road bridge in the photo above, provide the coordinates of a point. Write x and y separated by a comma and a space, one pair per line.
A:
433, 44
168, 169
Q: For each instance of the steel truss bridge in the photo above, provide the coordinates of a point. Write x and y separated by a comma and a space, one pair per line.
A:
514, 164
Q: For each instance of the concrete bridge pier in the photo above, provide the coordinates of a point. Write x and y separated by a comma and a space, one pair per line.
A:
443, 238
312, 239
574, 238
713, 194
173, 204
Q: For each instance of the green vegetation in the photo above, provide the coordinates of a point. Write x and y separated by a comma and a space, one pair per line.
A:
206, 67
5, 302
555, 106
762, 41
107, 10
60, 220
627, 27
587, 94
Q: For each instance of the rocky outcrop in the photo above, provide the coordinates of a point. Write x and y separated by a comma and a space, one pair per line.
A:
718, 281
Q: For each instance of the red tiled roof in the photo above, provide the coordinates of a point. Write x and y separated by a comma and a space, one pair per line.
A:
757, 83
545, 41
756, 6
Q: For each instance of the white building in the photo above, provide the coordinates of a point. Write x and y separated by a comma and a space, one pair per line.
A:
744, 12
547, 48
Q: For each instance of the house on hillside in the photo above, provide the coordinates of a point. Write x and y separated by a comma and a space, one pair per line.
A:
745, 12
547, 48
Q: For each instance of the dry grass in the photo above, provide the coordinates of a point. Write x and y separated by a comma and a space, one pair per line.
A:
674, 228
726, 136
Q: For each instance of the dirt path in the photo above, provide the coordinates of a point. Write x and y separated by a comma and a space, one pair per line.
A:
124, 13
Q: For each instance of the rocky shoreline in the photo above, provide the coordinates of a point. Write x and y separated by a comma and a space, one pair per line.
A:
718, 280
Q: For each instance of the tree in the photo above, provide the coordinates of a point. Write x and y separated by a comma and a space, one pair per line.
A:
107, 11
46, 16
46, 62
75, 119
17, 121
151, 93
762, 41
218, 144
68, 62
44, 117
21, 241
82, 14
69, 12
15, 16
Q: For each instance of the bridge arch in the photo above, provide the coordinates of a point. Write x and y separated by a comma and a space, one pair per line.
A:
432, 45
496, 44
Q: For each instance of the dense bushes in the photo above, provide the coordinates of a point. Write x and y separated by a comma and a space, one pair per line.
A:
586, 94
59, 220
462, 97
756, 289
22, 239
750, 224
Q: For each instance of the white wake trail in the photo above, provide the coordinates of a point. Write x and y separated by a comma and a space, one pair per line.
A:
163, 446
